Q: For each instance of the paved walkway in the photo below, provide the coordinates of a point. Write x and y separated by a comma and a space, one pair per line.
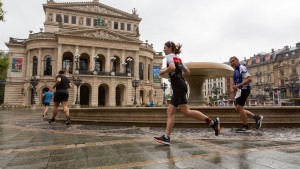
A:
28, 142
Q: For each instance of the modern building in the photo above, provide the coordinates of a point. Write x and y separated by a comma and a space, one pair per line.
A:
99, 48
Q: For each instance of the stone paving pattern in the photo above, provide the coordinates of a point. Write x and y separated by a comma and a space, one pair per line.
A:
27, 141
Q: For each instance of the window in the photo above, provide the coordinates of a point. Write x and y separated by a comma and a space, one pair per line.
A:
88, 21
116, 25
128, 27
74, 19
67, 64
66, 18
122, 26
48, 66
58, 18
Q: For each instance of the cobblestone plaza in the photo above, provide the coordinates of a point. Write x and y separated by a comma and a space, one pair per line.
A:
29, 142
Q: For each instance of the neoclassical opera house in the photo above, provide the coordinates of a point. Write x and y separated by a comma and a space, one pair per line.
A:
92, 42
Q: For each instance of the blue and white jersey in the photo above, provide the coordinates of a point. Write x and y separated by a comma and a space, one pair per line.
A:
241, 73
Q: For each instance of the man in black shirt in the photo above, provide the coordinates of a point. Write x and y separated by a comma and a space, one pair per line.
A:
61, 96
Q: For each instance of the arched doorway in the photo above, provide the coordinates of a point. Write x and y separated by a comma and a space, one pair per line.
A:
84, 95
101, 96
142, 97
118, 96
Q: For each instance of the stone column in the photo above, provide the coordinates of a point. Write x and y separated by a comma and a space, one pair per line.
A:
146, 71
196, 97
112, 93
107, 61
136, 65
28, 65
59, 58
40, 60
122, 69
94, 92
92, 65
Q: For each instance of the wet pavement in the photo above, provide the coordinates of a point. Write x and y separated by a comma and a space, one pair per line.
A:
26, 141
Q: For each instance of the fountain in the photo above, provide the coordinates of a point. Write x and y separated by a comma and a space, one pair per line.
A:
199, 72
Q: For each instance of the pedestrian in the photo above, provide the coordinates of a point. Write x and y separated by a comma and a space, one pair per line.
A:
241, 80
47, 97
176, 71
61, 96
151, 103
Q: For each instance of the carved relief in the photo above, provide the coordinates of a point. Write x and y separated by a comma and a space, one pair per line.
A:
101, 34
97, 9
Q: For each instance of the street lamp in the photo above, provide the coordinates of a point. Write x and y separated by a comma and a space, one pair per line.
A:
164, 86
126, 65
293, 85
77, 82
135, 84
34, 82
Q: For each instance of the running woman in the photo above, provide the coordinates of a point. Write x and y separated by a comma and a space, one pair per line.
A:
61, 96
176, 71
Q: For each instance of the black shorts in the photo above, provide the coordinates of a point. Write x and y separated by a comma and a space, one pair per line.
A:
61, 96
46, 104
179, 88
242, 99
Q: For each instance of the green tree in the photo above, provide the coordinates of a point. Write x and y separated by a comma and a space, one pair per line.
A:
4, 62
1, 11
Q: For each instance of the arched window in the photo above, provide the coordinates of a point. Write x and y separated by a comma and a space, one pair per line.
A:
34, 66
67, 63
47, 66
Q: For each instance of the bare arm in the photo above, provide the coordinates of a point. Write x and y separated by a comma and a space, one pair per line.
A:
244, 82
58, 80
169, 69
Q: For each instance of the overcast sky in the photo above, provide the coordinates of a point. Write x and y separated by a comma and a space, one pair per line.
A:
210, 30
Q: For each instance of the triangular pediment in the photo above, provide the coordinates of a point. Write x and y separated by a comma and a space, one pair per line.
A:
96, 8
99, 33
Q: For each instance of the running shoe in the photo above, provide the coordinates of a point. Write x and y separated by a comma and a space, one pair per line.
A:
52, 120
216, 126
258, 121
163, 140
68, 122
244, 129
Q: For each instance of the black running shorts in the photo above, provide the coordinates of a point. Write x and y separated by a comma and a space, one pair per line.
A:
242, 99
60, 96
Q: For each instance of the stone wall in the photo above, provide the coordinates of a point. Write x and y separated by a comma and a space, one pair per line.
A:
154, 116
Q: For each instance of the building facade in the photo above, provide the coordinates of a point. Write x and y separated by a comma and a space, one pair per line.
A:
275, 76
275, 80
93, 42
